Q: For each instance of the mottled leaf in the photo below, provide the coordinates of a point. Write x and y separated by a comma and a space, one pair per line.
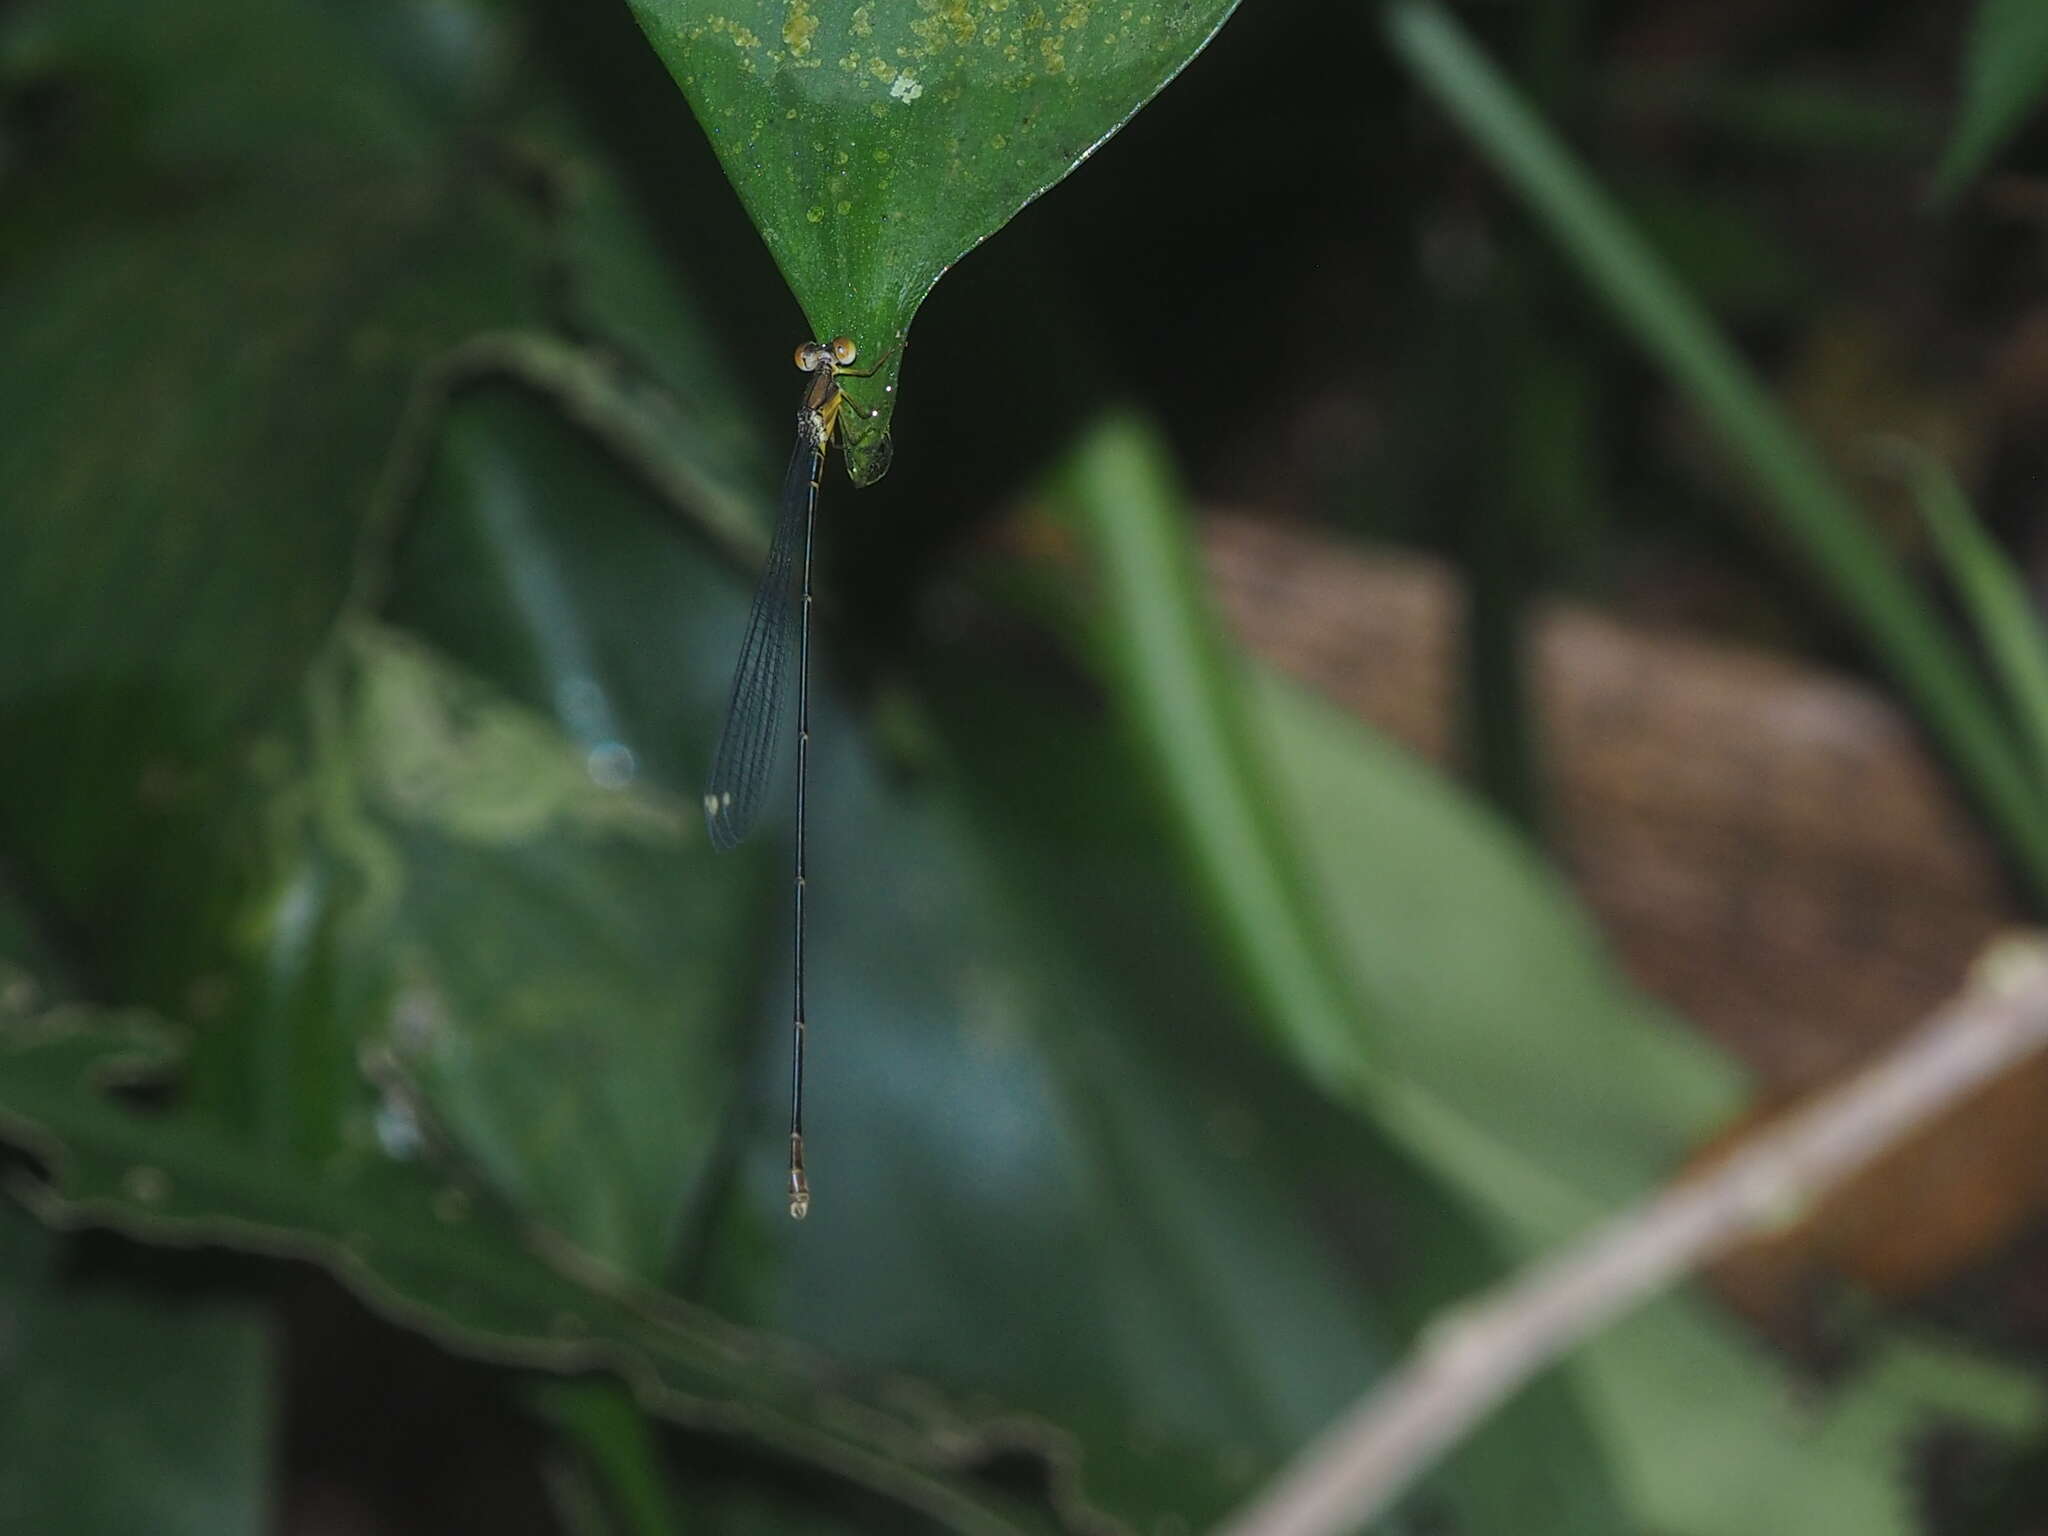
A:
875, 144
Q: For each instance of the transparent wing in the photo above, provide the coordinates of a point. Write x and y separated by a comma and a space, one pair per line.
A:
743, 767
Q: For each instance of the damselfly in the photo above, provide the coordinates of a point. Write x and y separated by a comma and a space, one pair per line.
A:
743, 766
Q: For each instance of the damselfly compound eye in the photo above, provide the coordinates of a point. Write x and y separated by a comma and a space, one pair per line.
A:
843, 351
810, 357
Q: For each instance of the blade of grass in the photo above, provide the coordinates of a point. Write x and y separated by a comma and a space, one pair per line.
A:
2005, 76
1178, 687
1991, 590
1814, 512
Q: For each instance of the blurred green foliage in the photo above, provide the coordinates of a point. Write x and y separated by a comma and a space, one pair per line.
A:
381, 483
1816, 516
2005, 73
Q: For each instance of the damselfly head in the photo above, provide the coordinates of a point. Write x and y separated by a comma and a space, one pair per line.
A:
810, 357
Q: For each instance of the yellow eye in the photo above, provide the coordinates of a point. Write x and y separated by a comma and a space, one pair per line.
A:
808, 356
843, 351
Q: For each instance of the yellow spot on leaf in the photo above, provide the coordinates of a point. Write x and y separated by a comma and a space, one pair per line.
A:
945, 21
800, 26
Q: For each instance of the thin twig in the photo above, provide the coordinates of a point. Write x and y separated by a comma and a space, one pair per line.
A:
1477, 1354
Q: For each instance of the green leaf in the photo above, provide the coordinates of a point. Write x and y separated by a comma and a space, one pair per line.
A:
127, 1410
979, 1132
526, 937
1991, 589
1510, 1043
549, 905
435, 1256
1054, 1164
875, 144
2005, 73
